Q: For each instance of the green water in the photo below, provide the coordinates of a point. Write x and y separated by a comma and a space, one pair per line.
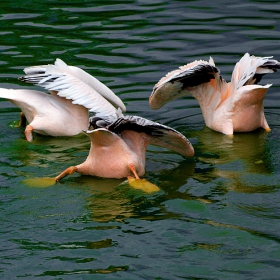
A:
217, 214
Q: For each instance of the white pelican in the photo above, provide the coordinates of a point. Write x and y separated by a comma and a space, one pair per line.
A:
118, 148
118, 142
231, 107
60, 114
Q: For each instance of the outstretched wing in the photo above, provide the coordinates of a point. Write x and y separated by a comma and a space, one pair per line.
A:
73, 83
61, 67
250, 70
182, 81
157, 134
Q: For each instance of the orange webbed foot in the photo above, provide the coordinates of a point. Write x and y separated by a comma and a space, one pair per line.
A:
142, 184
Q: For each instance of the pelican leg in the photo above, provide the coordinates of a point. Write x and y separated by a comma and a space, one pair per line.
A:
265, 125
267, 129
22, 119
28, 132
133, 169
68, 171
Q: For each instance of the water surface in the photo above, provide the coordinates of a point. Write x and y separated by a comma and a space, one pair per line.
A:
216, 216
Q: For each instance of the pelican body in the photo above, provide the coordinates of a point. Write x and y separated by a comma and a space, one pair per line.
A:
231, 107
47, 114
64, 111
118, 149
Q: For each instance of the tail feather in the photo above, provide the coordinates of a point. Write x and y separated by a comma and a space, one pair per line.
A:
250, 69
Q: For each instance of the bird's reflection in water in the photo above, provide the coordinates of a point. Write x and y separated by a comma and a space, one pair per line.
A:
238, 159
50, 153
176, 185
107, 200
233, 164
232, 161
113, 200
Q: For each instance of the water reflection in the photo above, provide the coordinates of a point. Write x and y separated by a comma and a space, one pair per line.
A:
251, 148
129, 45
236, 159
113, 200
231, 161
49, 153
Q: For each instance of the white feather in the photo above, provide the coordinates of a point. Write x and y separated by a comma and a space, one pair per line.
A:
64, 73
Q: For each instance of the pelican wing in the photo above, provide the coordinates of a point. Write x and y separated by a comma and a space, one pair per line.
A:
157, 134
60, 67
31, 102
182, 81
99, 87
70, 87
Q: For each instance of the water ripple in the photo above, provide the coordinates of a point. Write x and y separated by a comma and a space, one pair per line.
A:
217, 213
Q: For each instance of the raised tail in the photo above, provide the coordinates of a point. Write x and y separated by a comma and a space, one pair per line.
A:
250, 69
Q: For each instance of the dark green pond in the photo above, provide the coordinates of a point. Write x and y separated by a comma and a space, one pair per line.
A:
217, 214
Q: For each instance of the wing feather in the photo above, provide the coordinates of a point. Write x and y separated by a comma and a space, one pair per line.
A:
60, 67
157, 134
183, 81
70, 87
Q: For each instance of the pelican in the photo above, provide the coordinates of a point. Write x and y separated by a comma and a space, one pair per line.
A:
118, 142
231, 107
118, 148
57, 114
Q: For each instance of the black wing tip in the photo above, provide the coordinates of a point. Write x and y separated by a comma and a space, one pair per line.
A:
137, 124
196, 75
272, 64
153, 130
37, 78
24, 79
